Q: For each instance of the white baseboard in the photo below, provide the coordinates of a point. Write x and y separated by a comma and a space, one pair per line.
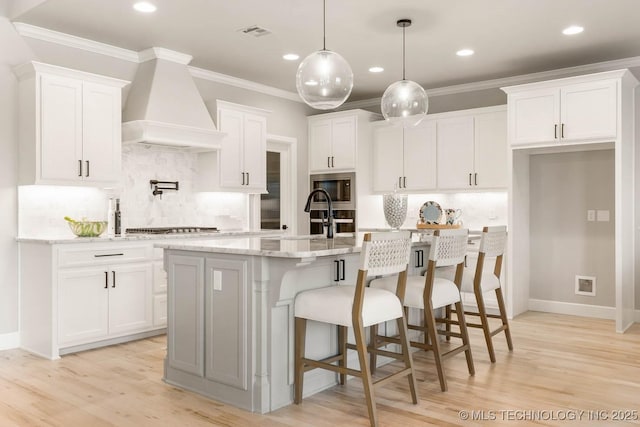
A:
585, 310
9, 341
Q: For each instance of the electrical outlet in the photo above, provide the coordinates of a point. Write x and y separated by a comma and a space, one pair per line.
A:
591, 215
602, 216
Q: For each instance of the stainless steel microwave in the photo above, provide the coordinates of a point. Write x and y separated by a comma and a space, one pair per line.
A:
341, 188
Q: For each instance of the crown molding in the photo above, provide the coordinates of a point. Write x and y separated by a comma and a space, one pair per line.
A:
201, 73
166, 54
26, 30
68, 40
515, 80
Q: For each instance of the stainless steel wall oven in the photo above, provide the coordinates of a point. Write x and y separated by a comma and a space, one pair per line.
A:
342, 190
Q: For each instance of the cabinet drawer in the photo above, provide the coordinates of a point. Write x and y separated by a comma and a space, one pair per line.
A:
99, 255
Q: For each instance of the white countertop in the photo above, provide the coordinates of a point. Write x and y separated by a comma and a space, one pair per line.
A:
66, 238
274, 246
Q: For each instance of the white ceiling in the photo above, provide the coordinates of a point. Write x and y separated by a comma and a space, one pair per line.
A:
510, 37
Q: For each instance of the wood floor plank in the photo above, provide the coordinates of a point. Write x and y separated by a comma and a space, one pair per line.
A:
560, 365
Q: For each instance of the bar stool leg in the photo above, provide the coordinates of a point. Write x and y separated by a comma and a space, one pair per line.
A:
367, 381
465, 337
503, 316
342, 347
484, 320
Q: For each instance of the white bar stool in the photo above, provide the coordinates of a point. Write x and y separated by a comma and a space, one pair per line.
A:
359, 307
429, 293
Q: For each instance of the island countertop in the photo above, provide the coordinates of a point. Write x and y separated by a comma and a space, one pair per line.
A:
272, 246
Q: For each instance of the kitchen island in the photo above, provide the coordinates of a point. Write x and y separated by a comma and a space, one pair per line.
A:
230, 314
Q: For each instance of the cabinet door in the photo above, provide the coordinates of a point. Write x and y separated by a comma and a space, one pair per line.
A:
490, 150
231, 168
343, 143
455, 152
130, 298
255, 152
226, 322
387, 158
185, 314
319, 145
60, 129
101, 133
534, 116
420, 160
83, 305
588, 111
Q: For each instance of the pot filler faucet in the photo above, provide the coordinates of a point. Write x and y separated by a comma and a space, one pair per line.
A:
307, 208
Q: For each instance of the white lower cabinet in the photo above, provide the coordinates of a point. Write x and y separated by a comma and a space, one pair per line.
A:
91, 294
102, 302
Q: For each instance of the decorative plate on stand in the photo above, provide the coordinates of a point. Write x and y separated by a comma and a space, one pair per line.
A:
430, 213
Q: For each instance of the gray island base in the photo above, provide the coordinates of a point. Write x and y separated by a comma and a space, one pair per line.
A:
230, 333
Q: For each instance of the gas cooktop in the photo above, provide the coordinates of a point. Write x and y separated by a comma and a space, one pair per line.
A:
171, 230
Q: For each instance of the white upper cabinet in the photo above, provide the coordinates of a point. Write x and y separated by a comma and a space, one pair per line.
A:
455, 152
404, 159
572, 110
332, 144
472, 149
490, 150
70, 126
243, 153
340, 141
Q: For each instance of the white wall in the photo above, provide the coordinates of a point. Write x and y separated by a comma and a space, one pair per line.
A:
563, 243
12, 52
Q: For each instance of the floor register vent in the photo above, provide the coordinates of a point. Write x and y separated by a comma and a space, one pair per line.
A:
586, 285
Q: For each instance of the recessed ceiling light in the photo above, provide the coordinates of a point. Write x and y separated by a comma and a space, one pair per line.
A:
144, 7
574, 29
465, 52
376, 69
290, 56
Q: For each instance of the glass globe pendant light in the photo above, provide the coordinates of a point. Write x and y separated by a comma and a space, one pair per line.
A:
404, 102
324, 79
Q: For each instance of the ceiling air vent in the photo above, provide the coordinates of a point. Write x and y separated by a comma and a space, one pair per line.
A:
255, 31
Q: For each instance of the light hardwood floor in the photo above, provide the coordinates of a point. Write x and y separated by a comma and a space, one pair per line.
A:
560, 363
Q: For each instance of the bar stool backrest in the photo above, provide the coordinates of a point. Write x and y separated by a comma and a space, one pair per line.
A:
449, 246
385, 253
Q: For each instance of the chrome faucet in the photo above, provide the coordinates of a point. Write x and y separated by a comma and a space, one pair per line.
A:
307, 208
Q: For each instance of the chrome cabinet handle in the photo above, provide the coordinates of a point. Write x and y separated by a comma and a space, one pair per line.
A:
80, 168
562, 131
475, 178
113, 285
404, 182
87, 168
337, 263
106, 279
332, 165
247, 178
469, 179
399, 182
555, 131
242, 178
328, 162
343, 265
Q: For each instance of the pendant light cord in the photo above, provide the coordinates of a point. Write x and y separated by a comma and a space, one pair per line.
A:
324, 24
403, 49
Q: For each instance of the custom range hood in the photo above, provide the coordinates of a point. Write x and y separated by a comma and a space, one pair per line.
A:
164, 106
